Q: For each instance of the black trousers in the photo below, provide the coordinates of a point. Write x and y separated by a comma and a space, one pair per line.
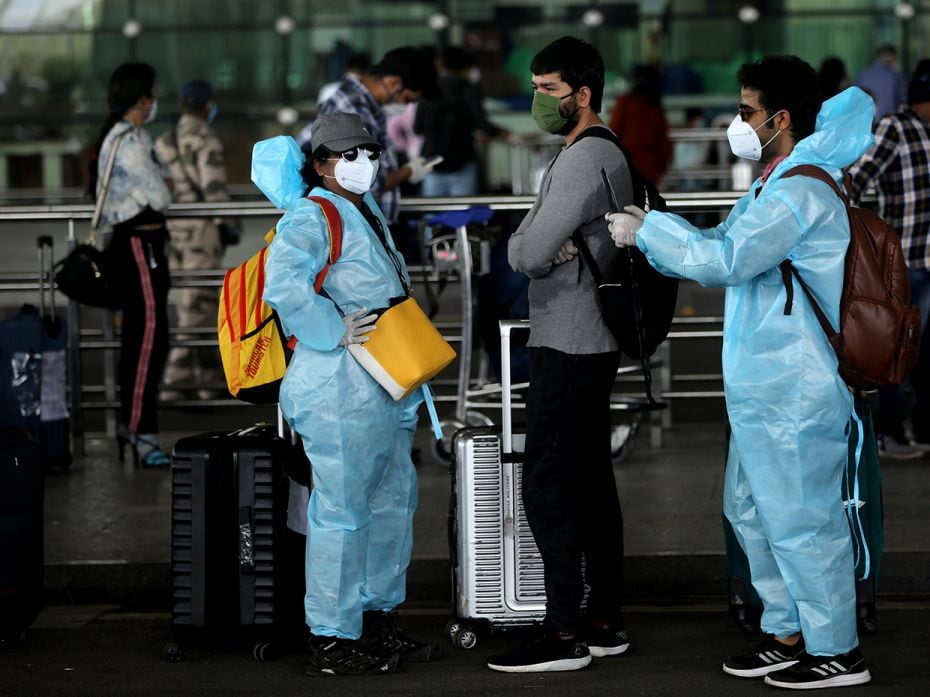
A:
139, 272
569, 490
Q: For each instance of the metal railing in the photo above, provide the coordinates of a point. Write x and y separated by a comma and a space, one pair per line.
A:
104, 339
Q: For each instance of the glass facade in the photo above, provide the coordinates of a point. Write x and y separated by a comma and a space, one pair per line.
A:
262, 55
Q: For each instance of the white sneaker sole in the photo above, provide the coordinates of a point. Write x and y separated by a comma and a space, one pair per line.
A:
835, 681
602, 651
757, 672
561, 665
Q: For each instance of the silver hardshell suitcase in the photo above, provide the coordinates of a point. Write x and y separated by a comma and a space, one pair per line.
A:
497, 570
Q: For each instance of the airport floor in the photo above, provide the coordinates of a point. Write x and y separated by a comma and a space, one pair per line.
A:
107, 542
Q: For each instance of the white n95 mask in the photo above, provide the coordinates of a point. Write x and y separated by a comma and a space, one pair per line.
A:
153, 112
744, 141
358, 175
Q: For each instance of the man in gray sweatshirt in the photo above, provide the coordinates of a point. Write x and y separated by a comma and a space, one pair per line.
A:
569, 491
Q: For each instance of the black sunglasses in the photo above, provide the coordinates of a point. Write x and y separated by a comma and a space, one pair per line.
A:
352, 153
745, 112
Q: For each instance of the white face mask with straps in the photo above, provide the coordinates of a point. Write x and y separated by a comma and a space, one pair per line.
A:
153, 112
744, 141
358, 175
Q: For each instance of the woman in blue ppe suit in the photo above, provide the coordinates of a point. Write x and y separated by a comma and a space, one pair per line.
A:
358, 439
788, 407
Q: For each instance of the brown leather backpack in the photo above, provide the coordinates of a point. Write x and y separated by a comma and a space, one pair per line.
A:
879, 330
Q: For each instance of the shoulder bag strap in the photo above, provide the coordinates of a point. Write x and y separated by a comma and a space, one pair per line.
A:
334, 225
108, 172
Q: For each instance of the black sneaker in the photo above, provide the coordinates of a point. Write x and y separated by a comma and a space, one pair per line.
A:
814, 672
381, 634
768, 655
546, 653
334, 656
612, 641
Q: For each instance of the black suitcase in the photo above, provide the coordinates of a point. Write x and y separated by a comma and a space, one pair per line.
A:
236, 570
22, 554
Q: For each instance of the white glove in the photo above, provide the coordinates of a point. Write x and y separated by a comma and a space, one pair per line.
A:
418, 169
566, 253
358, 324
624, 226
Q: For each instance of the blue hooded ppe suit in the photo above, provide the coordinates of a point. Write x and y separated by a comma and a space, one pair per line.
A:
358, 439
788, 407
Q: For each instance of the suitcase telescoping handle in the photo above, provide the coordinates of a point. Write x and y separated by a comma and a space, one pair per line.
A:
46, 263
507, 326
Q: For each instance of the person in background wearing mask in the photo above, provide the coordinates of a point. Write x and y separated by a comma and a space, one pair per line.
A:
569, 491
402, 76
359, 520
194, 155
897, 166
136, 262
789, 410
449, 126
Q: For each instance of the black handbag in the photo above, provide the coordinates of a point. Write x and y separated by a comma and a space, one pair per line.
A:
82, 275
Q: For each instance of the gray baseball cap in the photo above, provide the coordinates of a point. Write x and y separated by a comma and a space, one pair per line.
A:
340, 132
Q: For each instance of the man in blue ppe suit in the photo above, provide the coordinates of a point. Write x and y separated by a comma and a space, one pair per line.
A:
358, 439
788, 407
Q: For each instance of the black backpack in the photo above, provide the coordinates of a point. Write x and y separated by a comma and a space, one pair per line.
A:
636, 301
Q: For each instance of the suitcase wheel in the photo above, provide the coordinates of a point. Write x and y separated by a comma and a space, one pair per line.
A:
172, 653
264, 651
462, 635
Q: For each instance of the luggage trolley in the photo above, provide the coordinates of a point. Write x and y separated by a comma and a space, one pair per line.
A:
459, 254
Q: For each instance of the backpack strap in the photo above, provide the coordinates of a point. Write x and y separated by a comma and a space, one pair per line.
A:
638, 184
787, 268
334, 226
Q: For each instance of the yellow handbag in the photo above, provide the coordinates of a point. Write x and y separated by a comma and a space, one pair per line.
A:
404, 351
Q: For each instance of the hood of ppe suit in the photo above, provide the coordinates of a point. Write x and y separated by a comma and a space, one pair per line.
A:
843, 132
788, 407
276, 165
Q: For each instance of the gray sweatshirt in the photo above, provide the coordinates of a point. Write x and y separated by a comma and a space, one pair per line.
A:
564, 314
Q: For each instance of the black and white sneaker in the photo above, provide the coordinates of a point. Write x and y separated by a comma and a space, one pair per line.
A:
814, 672
381, 634
334, 656
612, 641
768, 655
547, 653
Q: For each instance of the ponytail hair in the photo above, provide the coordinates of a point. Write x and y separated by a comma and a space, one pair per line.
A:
129, 83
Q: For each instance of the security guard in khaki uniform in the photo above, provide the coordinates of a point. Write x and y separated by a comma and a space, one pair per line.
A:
195, 156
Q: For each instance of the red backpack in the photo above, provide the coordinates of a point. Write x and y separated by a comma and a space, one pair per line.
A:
879, 331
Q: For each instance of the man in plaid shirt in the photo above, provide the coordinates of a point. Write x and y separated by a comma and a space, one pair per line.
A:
404, 75
899, 167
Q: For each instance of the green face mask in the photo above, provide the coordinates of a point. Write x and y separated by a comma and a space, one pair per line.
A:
546, 112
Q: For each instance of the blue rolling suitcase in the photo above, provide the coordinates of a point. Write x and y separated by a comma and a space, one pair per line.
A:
33, 386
